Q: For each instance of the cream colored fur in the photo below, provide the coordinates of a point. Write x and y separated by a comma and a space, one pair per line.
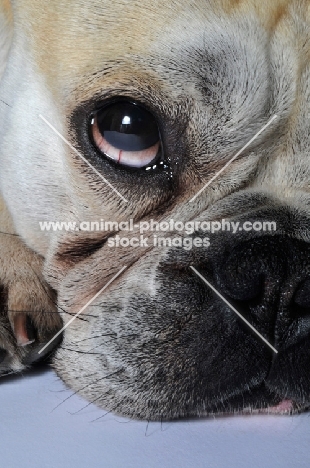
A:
222, 68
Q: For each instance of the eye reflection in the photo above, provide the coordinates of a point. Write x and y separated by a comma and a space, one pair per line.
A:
126, 120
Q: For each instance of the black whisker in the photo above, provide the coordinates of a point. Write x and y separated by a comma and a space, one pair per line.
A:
72, 394
72, 314
100, 417
9, 234
93, 337
91, 383
34, 311
6, 103
112, 410
51, 298
86, 406
79, 351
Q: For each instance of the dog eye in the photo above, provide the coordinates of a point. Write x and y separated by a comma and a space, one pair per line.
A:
128, 134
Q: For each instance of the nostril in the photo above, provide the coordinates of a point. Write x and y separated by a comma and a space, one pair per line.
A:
242, 279
244, 271
302, 295
3, 354
246, 287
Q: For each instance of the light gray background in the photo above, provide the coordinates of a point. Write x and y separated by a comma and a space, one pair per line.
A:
37, 433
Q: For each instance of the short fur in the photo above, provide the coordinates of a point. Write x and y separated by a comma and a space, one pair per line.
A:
156, 344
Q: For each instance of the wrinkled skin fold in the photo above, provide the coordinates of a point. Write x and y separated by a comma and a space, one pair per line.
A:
158, 343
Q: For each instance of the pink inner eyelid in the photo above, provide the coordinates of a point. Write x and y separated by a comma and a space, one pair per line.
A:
129, 158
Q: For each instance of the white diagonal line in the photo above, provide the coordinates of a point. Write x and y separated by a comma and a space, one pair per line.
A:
83, 308
235, 310
232, 159
82, 157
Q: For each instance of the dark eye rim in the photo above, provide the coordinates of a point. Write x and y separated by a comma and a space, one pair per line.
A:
160, 160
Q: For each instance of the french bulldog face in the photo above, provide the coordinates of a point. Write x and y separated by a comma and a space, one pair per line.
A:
123, 112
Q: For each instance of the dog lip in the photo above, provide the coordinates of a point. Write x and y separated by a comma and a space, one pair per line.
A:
285, 406
255, 400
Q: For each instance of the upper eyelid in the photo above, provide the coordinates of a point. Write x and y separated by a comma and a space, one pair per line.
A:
100, 103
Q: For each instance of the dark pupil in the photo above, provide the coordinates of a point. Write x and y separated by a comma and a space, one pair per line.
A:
127, 126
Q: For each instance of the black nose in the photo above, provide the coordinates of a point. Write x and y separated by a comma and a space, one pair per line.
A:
268, 280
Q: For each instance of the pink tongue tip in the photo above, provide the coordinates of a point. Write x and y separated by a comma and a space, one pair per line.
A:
285, 406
